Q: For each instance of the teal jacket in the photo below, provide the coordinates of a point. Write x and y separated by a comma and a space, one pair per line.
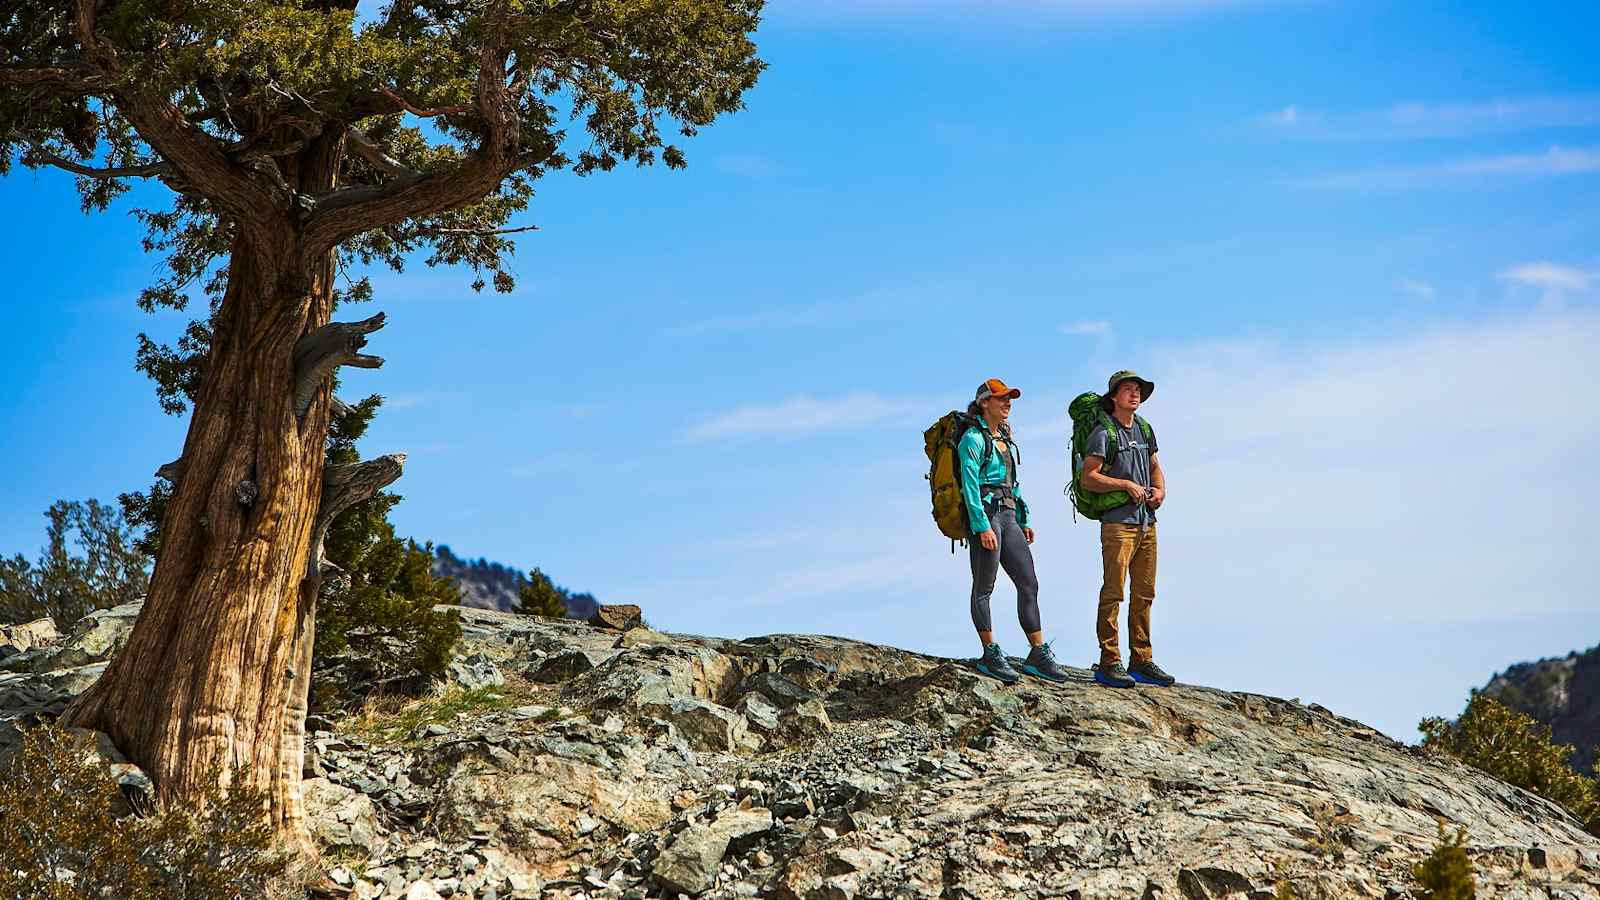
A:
971, 452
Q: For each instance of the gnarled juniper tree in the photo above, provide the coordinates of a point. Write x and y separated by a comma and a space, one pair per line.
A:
297, 138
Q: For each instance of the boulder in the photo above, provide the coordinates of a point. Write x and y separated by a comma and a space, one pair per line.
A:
28, 635
559, 667
617, 616
691, 862
473, 672
779, 690
339, 816
705, 725
93, 638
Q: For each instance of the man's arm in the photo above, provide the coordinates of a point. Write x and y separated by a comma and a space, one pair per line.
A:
1158, 482
1095, 480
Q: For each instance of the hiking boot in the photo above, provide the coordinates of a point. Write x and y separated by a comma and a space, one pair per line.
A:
1113, 675
994, 664
1041, 663
1150, 673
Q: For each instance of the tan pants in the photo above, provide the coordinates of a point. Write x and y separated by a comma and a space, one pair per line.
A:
1126, 552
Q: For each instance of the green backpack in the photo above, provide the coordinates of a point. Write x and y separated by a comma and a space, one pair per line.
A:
1086, 412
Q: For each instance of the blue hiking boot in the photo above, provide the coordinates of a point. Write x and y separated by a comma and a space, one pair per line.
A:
1041, 663
1113, 675
994, 664
1150, 673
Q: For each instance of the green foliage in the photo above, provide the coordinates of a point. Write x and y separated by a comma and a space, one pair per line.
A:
381, 610
431, 84
1447, 872
107, 569
540, 596
61, 837
1516, 749
1283, 890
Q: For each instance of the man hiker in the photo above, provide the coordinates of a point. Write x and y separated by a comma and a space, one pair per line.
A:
998, 519
1127, 532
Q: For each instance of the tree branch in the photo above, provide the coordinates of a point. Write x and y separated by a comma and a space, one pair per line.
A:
369, 150
333, 345
342, 488
338, 215
171, 471
424, 232
147, 170
426, 113
76, 79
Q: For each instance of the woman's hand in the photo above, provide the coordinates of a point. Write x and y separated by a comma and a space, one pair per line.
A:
1028, 533
988, 540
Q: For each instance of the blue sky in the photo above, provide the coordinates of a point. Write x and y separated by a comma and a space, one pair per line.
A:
1355, 243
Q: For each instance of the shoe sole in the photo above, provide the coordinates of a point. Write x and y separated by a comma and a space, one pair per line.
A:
1038, 674
1145, 679
1112, 684
1000, 678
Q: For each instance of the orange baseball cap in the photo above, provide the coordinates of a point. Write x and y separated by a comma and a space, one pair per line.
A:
994, 387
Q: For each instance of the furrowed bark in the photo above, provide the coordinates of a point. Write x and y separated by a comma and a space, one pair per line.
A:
214, 676
342, 487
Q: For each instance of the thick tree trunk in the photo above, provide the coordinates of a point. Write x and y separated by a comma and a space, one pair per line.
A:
213, 679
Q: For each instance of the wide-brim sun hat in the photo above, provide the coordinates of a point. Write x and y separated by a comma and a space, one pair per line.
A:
1146, 386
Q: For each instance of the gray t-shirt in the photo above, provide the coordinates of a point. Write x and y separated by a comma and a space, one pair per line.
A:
1132, 462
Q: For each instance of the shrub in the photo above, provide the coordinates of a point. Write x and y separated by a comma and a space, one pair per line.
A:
1516, 749
381, 613
106, 570
1447, 872
539, 596
60, 837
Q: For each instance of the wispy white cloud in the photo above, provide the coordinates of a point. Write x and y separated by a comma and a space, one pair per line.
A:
1548, 276
1407, 121
1422, 290
1332, 498
804, 415
1091, 329
1556, 161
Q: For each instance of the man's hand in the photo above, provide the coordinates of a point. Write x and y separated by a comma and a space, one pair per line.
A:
1028, 533
1136, 491
1157, 496
988, 540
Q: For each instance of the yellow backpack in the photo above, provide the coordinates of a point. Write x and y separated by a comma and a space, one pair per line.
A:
941, 441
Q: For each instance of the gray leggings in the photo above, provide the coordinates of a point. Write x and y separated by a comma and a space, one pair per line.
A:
1012, 552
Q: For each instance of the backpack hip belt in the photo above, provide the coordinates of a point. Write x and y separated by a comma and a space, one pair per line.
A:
998, 495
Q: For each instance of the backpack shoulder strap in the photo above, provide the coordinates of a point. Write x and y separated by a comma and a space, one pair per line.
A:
1112, 442
1144, 427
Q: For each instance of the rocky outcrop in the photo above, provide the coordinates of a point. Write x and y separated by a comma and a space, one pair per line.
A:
643, 764
1563, 694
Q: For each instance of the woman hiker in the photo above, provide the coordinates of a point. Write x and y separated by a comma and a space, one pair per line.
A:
999, 521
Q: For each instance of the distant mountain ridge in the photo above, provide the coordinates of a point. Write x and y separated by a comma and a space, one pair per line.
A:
1563, 693
491, 585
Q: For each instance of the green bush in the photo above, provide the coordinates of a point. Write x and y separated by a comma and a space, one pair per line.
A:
61, 839
1516, 749
1447, 872
540, 596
